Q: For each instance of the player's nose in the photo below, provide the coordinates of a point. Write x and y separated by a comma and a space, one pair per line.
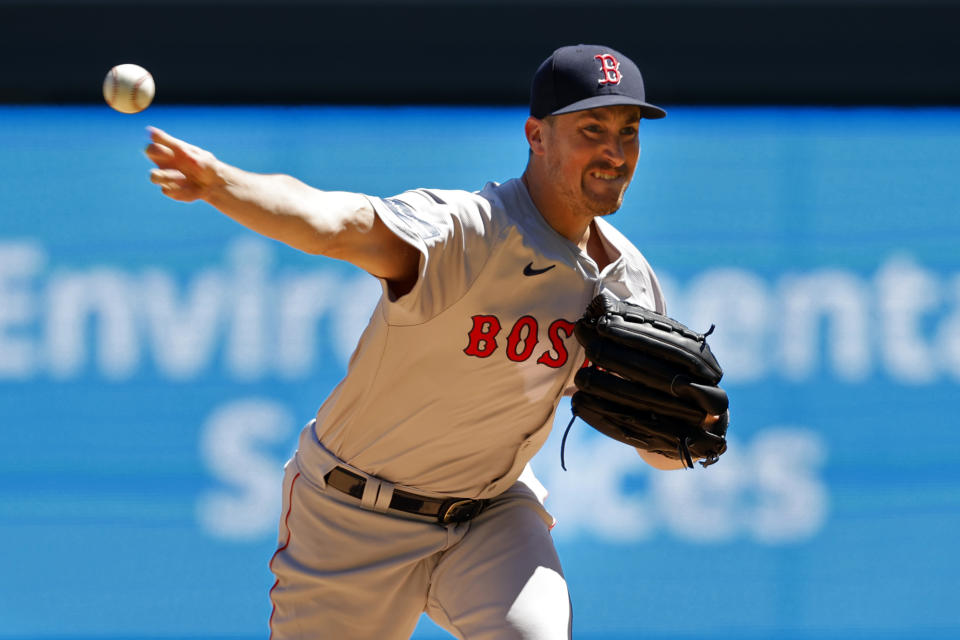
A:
613, 151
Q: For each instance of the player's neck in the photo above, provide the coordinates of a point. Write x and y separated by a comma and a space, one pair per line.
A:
555, 211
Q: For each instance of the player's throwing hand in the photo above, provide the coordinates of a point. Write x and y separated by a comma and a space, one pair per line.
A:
184, 172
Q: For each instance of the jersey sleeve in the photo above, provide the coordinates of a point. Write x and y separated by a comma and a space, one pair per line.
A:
453, 231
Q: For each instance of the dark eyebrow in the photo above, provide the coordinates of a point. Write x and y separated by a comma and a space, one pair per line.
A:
586, 115
601, 116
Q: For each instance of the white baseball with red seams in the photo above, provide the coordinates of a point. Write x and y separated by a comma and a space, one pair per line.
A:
128, 88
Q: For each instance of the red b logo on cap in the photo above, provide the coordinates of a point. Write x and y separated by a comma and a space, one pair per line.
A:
610, 69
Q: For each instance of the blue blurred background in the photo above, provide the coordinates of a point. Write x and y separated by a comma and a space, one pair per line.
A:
157, 362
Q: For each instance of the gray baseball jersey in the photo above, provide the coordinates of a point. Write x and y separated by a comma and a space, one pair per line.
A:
450, 392
453, 386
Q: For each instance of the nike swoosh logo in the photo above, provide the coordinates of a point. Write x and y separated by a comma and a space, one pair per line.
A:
530, 271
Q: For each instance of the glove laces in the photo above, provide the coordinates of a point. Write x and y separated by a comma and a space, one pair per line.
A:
563, 443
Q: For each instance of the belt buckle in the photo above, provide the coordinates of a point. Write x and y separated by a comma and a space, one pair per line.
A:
459, 510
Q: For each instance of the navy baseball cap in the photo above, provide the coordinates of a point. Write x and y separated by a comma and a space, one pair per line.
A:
585, 76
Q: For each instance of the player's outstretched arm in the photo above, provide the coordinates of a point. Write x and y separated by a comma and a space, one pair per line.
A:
333, 223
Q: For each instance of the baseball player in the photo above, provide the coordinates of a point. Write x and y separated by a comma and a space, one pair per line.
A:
410, 491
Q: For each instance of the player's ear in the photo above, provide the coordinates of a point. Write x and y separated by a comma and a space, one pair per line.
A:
534, 129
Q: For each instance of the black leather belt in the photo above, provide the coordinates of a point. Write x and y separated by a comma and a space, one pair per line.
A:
446, 511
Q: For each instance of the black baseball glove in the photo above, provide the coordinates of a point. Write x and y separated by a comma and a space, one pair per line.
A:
651, 382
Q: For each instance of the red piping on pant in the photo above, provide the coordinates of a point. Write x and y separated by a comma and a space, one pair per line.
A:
273, 609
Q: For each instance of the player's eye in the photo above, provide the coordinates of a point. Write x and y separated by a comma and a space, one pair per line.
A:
628, 132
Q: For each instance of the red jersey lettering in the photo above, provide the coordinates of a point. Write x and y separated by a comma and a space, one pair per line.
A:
557, 343
483, 336
517, 336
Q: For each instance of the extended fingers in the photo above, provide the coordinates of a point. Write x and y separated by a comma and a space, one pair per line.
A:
166, 176
161, 155
162, 137
182, 169
169, 150
174, 184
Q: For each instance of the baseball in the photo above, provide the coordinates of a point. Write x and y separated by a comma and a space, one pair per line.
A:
128, 88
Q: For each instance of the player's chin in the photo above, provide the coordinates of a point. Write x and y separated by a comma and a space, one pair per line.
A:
605, 206
604, 201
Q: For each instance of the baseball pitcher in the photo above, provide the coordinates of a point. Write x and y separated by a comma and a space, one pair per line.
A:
410, 490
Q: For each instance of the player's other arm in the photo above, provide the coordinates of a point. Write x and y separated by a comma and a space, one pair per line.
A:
661, 462
332, 223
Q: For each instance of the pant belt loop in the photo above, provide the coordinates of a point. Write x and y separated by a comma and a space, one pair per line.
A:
370, 491
384, 497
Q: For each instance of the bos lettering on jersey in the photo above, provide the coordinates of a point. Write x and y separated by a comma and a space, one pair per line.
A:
521, 342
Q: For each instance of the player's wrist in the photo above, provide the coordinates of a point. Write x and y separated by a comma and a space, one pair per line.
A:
221, 183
